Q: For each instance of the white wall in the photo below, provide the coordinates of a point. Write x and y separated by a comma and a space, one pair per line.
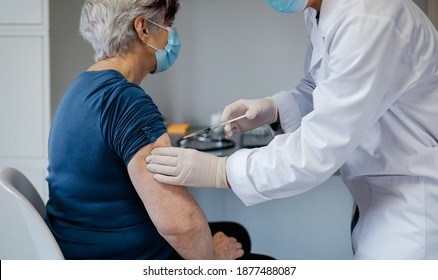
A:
230, 49
69, 53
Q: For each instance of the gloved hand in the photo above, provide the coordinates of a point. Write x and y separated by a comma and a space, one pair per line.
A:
258, 112
187, 167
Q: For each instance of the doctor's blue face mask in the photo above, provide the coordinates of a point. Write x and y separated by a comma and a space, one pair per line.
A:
167, 56
288, 6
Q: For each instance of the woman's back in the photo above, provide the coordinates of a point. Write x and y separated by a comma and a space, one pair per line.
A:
95, 212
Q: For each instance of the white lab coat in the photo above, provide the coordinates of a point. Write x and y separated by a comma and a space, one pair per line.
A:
368, 105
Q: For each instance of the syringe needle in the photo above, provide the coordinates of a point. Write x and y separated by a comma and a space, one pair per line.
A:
196, 133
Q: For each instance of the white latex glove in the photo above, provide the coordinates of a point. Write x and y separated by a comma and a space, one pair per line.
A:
187, 167
258, 112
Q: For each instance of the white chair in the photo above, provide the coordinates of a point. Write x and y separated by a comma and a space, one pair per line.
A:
23, 233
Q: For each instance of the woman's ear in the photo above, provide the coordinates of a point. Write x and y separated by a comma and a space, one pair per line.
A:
141, 27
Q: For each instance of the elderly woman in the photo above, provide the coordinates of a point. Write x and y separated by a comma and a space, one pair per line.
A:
105, 119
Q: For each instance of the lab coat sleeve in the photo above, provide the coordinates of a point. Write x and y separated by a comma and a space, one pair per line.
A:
350, 98
295, 104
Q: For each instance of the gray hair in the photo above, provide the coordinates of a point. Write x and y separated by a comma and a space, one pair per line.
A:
108, 25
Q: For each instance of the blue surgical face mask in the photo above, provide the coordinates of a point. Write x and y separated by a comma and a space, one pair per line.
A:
167, 56
288, 6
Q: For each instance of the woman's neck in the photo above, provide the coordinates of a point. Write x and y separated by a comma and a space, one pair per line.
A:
129, 65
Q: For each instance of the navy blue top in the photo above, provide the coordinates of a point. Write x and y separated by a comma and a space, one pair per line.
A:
93, 209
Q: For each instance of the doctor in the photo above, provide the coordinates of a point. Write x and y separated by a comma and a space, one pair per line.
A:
367, 105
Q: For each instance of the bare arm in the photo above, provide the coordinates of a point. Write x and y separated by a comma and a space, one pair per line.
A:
173, 210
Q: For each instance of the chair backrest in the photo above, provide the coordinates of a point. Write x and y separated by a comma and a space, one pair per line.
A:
20, 182
23, 233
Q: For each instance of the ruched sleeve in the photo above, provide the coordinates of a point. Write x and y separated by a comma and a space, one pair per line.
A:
130, 120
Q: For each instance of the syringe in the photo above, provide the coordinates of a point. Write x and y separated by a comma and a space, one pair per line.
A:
212, 127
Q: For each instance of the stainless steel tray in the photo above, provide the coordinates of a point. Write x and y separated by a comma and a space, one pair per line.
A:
206, 143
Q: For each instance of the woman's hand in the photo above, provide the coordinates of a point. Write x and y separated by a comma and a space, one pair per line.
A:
226, 248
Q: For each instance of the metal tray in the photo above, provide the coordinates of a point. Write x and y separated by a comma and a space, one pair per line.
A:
206, 143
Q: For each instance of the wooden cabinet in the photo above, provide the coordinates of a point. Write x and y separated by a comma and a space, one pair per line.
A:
25, 88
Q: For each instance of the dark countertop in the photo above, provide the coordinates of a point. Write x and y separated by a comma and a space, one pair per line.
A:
212, 142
